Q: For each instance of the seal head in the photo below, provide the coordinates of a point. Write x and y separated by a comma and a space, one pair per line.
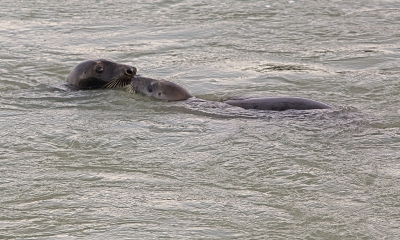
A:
100, 73
159, 89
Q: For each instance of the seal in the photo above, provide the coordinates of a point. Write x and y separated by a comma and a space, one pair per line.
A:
166, 90
100, 73
277, 103
159, 89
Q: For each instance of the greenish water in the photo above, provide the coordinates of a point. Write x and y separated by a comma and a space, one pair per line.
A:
108, 164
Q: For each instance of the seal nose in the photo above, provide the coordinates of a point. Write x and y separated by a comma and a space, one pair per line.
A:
131, 71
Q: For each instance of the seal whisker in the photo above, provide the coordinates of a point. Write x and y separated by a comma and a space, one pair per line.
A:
120, 83
111, 83
107, 85
115, 83
125, 82
131, 89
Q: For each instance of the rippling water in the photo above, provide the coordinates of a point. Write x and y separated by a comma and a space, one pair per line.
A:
108, 164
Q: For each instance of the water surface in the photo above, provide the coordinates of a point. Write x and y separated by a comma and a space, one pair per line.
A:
109, 164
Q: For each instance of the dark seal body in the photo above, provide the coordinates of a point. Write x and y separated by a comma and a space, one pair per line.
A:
277, 103
101, 73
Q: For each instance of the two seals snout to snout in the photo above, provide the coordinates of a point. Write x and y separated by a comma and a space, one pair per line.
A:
101, 73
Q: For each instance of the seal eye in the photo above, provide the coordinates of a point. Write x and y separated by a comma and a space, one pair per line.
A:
99, 69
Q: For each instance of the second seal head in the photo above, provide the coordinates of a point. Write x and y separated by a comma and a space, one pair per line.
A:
159, 89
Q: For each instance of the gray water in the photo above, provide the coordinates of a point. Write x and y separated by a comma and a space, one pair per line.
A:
109, 164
